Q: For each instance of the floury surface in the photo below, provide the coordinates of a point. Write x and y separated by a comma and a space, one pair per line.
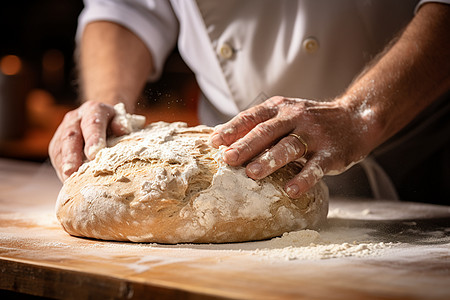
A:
369, 249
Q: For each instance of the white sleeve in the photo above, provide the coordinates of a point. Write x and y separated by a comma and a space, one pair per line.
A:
422, 2
153, 21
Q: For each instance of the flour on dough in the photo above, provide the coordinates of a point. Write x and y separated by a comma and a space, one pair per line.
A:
166, 184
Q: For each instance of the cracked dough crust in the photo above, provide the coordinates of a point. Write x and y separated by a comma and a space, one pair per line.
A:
165, 184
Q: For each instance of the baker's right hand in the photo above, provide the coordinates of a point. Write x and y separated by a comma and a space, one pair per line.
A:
81, 135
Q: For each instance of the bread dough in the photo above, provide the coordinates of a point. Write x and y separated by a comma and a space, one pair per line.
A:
166, 184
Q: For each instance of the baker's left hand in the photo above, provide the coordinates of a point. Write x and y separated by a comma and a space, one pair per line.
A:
330, 136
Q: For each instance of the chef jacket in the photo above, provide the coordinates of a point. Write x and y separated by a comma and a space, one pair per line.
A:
243, 52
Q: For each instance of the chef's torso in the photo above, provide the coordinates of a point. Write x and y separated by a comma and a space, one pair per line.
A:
244, 51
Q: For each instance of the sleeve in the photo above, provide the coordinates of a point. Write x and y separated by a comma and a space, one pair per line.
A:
422, 2
153, 21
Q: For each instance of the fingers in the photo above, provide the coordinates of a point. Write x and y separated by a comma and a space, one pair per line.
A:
66, 146
285, 151
326, 130
311, 173
268, 126
289, 149
71, 150
95, 118
125, 123
81, 134
256, 141
243, 123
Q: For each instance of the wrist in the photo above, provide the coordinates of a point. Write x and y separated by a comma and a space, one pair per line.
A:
367, 120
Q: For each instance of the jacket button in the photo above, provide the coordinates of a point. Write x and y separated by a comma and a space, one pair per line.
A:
226, 51
311, 45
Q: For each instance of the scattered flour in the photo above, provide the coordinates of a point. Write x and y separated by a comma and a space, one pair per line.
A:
311, 245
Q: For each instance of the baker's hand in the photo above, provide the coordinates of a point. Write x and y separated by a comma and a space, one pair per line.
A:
81, 135
327, 135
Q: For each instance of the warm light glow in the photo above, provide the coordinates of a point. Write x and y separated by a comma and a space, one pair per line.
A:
10, 65
53, 60
39, 106
38, 99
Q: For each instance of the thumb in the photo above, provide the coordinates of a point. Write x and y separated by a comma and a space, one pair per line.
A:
125, 123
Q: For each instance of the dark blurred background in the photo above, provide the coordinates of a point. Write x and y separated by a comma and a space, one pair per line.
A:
38, 81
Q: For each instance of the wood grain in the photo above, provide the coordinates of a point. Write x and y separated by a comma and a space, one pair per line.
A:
38, 258
50, 282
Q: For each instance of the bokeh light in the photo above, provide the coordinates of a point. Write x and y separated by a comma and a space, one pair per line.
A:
10, 65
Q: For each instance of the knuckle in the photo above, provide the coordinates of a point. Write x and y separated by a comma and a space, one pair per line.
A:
265, 130
92, 120
71, 116
70, 134
247, 116
285, 123
276, 100
257, 114
293, 147
93, 107
245, 148
272, 128
308, 178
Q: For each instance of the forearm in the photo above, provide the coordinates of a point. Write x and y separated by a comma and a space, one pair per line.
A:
114, 64
406, 79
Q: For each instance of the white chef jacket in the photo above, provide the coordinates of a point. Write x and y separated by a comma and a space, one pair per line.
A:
245, 51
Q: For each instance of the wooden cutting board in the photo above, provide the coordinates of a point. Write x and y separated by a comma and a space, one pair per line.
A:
39, 258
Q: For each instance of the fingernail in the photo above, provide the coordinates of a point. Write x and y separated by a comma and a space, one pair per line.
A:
231, 155
254, 168
292, 190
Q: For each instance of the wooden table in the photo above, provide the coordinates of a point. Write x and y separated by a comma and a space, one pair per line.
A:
37, 257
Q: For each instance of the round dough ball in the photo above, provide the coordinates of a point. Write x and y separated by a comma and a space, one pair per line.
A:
166, 184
